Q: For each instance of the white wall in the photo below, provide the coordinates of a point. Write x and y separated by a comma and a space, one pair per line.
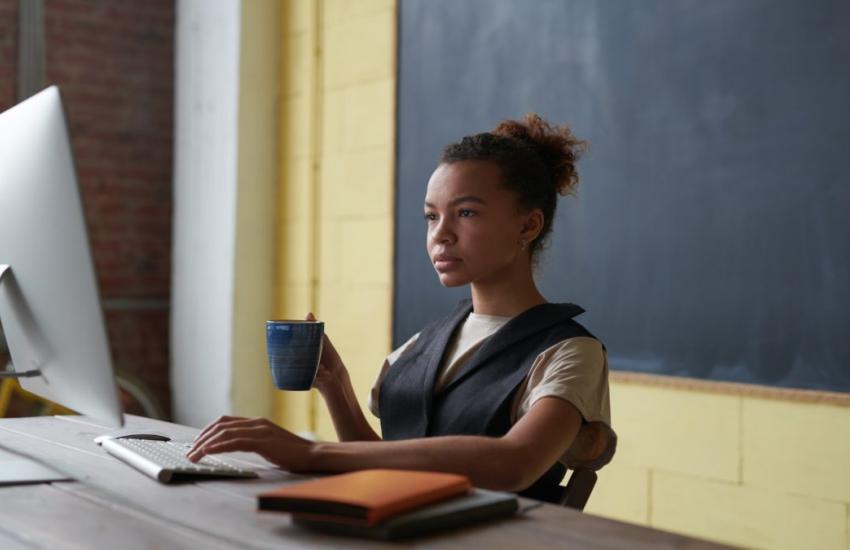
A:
227, 79
205, 176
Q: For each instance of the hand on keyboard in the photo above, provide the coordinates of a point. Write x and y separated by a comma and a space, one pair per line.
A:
258, 435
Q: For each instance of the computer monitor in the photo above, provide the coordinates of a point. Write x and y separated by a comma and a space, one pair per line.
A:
50, 307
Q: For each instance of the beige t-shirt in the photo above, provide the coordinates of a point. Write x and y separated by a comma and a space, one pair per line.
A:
575, 370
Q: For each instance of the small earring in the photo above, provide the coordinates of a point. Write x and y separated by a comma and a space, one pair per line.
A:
522, 244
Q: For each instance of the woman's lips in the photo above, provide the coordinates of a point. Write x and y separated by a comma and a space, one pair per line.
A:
442, 263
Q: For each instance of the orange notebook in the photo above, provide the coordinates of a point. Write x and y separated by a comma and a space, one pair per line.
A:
365, 496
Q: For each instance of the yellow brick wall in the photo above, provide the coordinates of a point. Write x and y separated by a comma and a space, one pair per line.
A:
336, 193
252, 391
748, 471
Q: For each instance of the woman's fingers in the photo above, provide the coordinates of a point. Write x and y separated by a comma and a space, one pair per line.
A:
215, 423
225, 435
329, 353
261, 436
246, 444
221, 425
229, 445
326, 341
329, 362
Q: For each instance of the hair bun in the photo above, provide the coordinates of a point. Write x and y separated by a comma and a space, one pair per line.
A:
557, 146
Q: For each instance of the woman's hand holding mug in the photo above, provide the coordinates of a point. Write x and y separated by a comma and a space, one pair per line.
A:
332, 372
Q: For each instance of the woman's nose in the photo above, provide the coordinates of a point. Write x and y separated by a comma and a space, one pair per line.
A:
442, 231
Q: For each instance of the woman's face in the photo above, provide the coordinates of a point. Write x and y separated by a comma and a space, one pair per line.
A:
473, 223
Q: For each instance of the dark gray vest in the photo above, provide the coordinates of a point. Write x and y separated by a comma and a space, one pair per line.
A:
478, 400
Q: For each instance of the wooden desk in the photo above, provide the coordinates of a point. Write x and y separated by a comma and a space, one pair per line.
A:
112, 505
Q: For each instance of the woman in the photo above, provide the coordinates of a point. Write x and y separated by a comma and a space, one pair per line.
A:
500, 389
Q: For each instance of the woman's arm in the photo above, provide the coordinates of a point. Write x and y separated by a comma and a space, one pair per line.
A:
349, 422
334, 384
509, 463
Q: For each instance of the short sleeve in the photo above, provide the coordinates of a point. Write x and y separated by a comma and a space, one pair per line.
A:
374, 394
575, 370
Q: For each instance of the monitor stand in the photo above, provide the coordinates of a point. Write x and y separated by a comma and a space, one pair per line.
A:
5, 270
16, 468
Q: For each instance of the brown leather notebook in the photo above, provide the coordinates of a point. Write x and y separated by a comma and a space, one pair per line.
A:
365, 496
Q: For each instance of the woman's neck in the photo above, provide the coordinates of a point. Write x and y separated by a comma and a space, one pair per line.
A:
507, 295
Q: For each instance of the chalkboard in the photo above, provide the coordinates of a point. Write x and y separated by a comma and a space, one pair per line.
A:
710, 237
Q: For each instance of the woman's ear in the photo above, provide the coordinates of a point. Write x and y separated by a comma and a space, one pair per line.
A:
532, 225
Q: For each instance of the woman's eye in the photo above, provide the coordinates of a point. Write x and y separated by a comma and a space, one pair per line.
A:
466, 212
429, 217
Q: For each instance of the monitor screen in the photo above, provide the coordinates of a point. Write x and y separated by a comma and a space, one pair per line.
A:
50, 306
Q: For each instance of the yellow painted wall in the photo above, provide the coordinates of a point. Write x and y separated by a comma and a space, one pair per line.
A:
336, 189
748, 471
254, 274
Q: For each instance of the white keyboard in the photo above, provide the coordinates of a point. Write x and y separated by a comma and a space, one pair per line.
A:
165, 460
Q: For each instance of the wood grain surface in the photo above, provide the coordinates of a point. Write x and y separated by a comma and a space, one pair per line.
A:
112, 505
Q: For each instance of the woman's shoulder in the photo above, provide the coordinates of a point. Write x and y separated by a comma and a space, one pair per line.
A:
575, 368
582, 346
577, 356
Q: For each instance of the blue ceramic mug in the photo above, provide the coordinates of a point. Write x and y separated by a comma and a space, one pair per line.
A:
295, 348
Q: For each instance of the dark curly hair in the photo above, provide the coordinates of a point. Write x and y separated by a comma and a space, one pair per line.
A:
537, 160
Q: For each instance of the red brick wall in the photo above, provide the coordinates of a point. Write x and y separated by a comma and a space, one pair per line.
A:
8, 52
113, 61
